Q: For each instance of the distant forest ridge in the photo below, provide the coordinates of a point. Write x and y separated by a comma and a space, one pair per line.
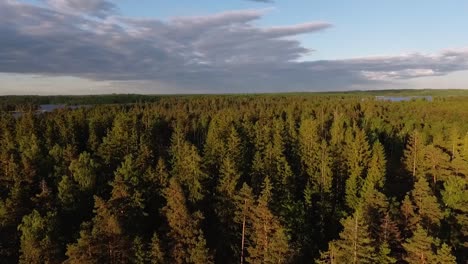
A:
24, 102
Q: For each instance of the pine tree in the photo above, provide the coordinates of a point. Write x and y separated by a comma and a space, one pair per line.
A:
357, 160
186, 166
337, 129
444, 255
127, 201
355, 244
455, 197
383, 255
215, 148
419, 247
316, 157
426, 203
187, 242
121, 140
409, 216
244, 202
229, 178
309, 146
329, 256
225, 207
326, 163
37, 238
139, 252
158, 177
156, 252
84, 171
389, 234
414, 154
68, 193
31, 157
436, 163
269, 243
377, 166
101, 241
234, 148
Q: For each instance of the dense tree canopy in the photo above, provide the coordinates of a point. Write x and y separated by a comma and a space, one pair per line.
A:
229, 179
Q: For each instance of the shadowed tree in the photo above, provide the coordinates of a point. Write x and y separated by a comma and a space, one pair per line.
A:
419, 247
156, 252
102, 240
358, 154
426, 203
269, 243
37, 244
355, 244
84, 171
186, 166
186, 238
444, 255
414, 154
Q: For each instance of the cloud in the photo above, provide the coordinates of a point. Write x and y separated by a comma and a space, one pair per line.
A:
98, 8
224, 52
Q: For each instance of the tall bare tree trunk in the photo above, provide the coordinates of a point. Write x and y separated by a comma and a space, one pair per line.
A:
243, 233
355, 239
415, 156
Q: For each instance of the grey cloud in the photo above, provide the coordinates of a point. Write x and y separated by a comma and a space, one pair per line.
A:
98, 8
295, 29
224, 52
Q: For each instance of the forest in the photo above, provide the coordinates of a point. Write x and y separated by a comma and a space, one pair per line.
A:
234, 179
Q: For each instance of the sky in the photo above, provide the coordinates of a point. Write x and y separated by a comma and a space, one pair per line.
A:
231, 46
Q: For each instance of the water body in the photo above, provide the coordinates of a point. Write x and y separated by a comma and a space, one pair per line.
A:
51, 107
47, 108
403, 98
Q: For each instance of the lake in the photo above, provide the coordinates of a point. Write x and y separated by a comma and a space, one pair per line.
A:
47, 108
403, 98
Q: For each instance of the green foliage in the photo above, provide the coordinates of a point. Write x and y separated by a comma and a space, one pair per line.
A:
186, 166
187, 244
139, 252
383, 256
377, 167
358, 154
414, 154
68, 193
156, 253
426, 203
186, 179
419, 248
355, 244
37, 238
444, 255
84, 171
102, 240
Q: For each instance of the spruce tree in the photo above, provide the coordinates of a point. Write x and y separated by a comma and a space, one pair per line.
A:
156, 252
419, 247
426, 203
409, 218
269, 243
444, 255
38, 243
355, 244
187, 243
357, 160
186, 166
84, 171
101, 241
414, 154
